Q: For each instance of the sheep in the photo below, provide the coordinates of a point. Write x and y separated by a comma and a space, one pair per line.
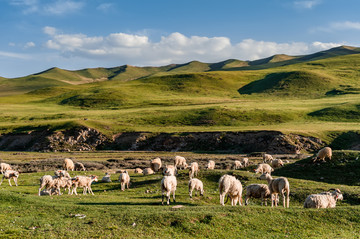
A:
170, 170
264, 168
68, 164
168, 186
148, 171
244, 161
52, 182
4, 167
10, 174
257, 191
138, 170
63, 182
106, 178
62, 173
124, 179
196, 184
323, 200
211, 165
276, 163
276, 186
237, 164
79, 167
49, 192
180, 162
267, 158
231, 186
155, 164
85, 182
323, 154
193, 169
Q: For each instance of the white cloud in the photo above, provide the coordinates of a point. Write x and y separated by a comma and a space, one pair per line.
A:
104, 7
49, 30
347, 25
29, 45
307, 4
61, 7
14, 55
58, 7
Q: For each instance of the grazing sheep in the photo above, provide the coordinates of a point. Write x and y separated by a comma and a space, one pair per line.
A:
323, 154
193, 169
63, 182
138, 170
237, 164
211, 165
244, 161
10, 174
267, 158
323, 200
5, 167
264, 168
84, 182
276, 186
52, 182
106, 178
180, 162
170, 170
231, 186
155, 164
68, 164
79, 167
124, 179
196, 184
276, 163
257, 191
148, 171
168, 186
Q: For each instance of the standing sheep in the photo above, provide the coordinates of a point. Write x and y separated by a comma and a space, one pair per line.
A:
257, 191
4, 167
124, 179
10, 174
170, 170
193, 169
276, 186
68, 164
148, 171
155, 164
196, 184
79, 167
51, 182
168, 186
211, 165
244, 161
138, 170
323, 200
237, 164
267, 158
276, 163
84, 182
180, 162
264, 168
231, 186
323, 154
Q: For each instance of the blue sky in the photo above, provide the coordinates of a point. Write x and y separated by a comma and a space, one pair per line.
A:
75, 34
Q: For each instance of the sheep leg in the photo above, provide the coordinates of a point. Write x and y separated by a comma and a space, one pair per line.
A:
168, 197
174, 196
91, 191
247, 200
240, 200
2, 180
287, 199
10, 182
190, 193
15, 180
222, 197
272, 200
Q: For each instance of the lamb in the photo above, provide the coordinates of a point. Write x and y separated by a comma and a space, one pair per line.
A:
168, 186
193, 169
85, 182
323, 154
68, 164
276, 163
237, 164
244, 161
106, 178
231, 186
124, 179
264, 168
10, 174
5, 167
323, 200
267, 158
276, 186
257, 191
50, 182
170, 170
79, 167
148, 171
180, 162
211, 165
155, 164
196, 184
138, 170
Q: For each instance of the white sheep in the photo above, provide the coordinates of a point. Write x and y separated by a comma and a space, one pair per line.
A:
211, 165
323, 200
276, 163
46, 181
196, 184
267, 158
138, 170
180, 162
276, 186
4, 167
84, 182
257, 191
237, 164
264, 168
193, 169
155, 164
124, 179
170, 170
148, 171
244, 161
232, 187
106, 178
62, 173
68, 164
323, 154
168, 186
10, 174
79, 167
